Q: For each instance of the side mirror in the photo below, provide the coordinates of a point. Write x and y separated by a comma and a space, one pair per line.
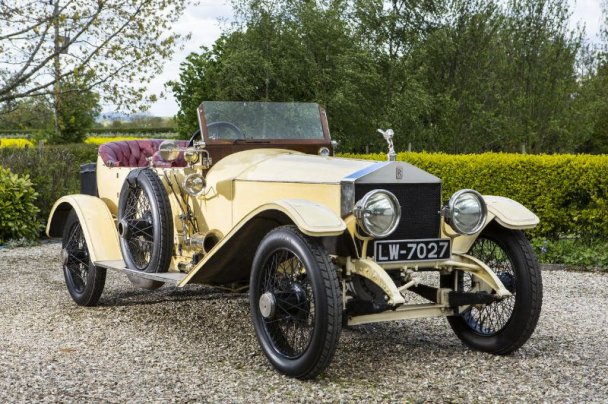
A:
169, 150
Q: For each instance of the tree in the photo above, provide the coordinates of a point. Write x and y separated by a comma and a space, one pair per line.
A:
286, 51
32, 113
118, 44
447, 75
591, 102
542, 51
76, 114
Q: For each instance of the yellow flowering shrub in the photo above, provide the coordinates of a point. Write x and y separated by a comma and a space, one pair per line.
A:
15, 142
101, 140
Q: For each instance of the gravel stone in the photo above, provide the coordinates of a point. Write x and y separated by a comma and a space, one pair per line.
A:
198, 344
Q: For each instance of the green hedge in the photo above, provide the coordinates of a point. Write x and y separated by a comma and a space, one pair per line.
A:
53, 170
17, 207
568, 192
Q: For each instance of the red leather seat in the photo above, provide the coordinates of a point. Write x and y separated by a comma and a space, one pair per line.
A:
134, 153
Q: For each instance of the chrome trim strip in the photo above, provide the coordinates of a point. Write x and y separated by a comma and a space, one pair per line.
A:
347, 187
347, 197
364, 171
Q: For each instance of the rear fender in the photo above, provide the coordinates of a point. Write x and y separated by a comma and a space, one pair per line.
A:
505, 212
96, 221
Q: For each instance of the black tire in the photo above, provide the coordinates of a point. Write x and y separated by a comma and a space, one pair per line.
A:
85, 281
502, 327
294, 271
145, 225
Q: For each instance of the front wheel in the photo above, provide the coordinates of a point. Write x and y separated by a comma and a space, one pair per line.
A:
295, 303
503, 326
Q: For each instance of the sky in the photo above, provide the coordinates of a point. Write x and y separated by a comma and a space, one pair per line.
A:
205, 21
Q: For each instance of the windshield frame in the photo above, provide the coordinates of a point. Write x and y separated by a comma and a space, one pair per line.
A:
321, 141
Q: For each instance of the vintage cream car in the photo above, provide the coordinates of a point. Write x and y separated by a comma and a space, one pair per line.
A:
256, 202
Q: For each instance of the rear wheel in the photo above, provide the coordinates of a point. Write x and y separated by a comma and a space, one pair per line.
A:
295, 303
85, 281
145, 225
503, 326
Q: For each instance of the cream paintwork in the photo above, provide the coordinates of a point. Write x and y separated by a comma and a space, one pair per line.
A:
97, 225
250, 195
319, 222
232, 194
299, 167
509, 213
506, 212
109, 183
245, 184
375, 273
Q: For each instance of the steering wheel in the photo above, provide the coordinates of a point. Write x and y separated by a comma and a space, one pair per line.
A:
194, 135
219, 124
223, 124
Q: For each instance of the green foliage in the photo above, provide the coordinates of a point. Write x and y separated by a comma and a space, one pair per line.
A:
569, 193
29, 114
53, 170
575, 253
17, 207
77, 108
293, 51
119, 46
457, 76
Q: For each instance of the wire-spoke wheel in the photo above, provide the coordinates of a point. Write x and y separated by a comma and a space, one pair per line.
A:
85, 281
505, 325
295, 303
145, 225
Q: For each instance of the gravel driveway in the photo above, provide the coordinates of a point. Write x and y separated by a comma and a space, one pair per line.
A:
196, 344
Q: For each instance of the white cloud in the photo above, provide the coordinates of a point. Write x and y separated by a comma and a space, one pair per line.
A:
589, 14
204, 23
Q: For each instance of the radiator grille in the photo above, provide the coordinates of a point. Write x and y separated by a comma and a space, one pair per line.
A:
420, 205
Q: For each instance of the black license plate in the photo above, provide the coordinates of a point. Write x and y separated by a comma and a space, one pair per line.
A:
412, 250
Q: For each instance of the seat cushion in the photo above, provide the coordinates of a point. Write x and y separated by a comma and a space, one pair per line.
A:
134, 153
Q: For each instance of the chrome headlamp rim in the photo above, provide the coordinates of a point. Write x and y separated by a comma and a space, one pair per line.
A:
359, 208
448, 211
188, 189
191, 155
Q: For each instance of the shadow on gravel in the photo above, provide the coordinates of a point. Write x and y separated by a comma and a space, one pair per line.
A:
140, 297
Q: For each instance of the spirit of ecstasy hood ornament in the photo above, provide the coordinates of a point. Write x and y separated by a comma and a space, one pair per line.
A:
388, 136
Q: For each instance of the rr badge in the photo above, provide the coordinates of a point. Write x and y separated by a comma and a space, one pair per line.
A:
399, 173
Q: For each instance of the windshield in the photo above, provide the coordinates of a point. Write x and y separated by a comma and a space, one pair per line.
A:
262, 120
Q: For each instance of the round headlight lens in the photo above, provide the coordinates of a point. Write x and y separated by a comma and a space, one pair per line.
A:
194, 184
466, 212
378, 213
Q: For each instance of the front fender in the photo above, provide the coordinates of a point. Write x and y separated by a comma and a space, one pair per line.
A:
96, 222
313, 219
231, 258
504, 211
509, 213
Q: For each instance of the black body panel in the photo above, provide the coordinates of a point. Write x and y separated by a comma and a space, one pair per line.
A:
88, 179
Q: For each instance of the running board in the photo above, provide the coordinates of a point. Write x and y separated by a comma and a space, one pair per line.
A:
119, 265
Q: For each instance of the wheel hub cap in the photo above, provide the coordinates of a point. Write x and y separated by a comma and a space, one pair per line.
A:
268, 305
